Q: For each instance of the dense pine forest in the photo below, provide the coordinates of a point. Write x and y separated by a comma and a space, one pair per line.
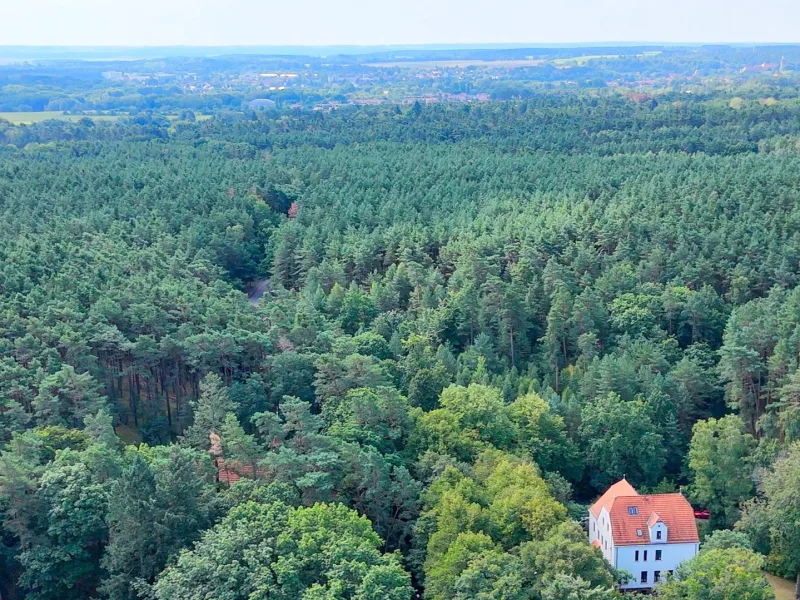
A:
474, 319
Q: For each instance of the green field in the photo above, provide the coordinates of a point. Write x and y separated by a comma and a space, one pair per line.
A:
508, 64
197, 117
784, 589
458, 64
28, 118
582, 60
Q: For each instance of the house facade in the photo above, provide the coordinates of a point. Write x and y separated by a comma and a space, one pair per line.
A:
646, 535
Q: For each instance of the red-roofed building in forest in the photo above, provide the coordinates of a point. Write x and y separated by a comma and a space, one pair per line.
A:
647, 536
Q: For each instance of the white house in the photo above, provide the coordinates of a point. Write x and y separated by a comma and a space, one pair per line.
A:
647, 536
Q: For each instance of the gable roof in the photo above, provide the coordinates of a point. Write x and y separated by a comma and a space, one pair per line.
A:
230, 472
621, 488
671, 509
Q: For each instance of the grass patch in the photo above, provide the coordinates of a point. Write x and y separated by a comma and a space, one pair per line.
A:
29, 118
129, 435
458, 64
736, 103
582, 60
784, 589
507, 64
197, 117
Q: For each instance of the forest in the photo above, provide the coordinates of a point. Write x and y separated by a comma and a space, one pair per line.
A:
474, 320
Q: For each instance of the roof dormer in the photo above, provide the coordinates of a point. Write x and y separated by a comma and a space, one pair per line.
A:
632, 519
657, 529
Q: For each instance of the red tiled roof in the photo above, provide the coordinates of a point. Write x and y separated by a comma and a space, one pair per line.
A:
230, 472
228, 476
671, 509
621, 488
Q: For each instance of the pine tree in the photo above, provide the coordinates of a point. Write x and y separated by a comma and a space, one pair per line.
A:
210, 412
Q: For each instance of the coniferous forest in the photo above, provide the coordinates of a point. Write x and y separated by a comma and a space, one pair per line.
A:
466, 322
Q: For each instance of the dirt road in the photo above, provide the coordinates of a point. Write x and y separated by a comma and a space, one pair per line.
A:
258, 289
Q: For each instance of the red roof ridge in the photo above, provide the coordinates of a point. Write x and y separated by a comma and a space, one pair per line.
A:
671, 509
621, 489
230, 471
665, 494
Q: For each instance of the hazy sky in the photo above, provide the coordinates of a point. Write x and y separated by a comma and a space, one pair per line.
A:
369, 22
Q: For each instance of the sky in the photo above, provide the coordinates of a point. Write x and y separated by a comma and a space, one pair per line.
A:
381, 22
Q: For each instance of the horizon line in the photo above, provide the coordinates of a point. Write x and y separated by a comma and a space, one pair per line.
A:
443, 45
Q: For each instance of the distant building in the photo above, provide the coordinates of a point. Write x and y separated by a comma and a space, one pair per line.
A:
647, 536
261, 103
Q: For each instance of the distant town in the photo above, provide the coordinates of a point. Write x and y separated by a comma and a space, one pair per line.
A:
238, 82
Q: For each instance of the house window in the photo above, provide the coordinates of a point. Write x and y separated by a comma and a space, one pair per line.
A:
645, 555
658, 554
658, 534
670, 572
633, 510
636, 556
656, 576
643, 578
592, 525
638, 533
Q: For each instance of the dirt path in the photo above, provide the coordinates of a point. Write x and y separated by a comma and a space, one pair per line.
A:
259, 288
784, 589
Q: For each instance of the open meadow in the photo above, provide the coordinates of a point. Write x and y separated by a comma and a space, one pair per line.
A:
457, 64
29, 118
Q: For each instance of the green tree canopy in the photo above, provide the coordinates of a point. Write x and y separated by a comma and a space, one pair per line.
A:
271, 550
718, 459
718, 573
